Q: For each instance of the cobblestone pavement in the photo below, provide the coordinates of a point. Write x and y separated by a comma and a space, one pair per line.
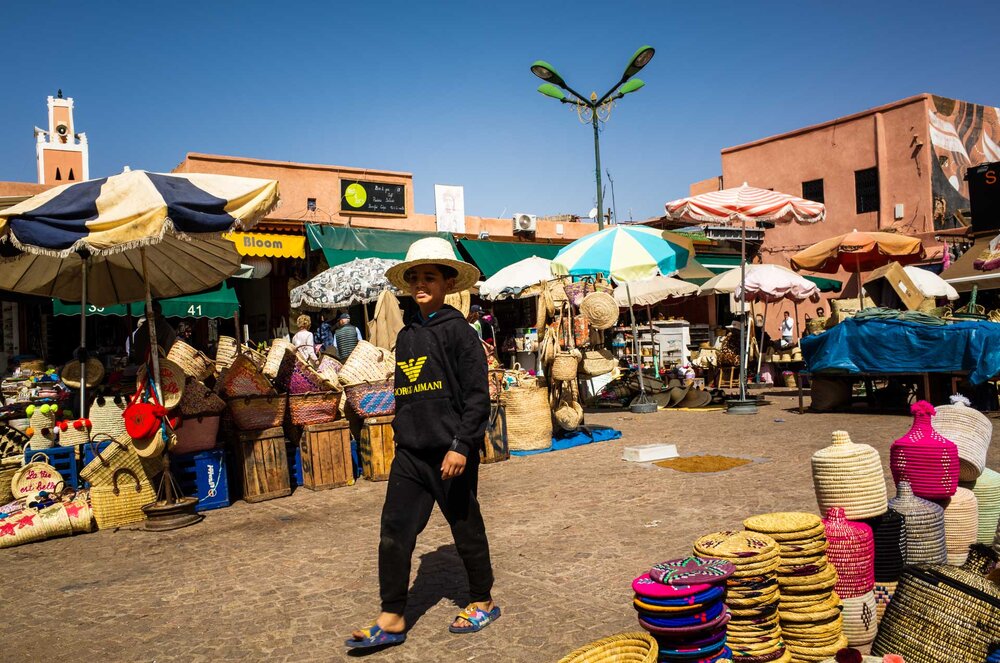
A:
287, 580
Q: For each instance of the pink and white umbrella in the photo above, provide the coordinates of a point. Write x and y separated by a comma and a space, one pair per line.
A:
745, 205
773, 283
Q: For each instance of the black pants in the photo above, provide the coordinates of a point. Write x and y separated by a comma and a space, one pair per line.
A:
415, 484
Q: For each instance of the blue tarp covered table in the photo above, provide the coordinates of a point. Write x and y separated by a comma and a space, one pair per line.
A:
878, 346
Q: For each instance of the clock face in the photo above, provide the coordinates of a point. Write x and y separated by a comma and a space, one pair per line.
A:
355, 195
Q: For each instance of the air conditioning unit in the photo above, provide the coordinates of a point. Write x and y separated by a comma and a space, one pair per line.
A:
525, 223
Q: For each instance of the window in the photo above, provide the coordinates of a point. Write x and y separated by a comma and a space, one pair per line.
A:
866, 190
58, 174
311, 204
813, 190
71, 178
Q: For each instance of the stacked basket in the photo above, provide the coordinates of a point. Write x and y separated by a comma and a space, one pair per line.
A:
961, 524
987, 491
889, 533
852, 552
924, 458
925, 542
252, 401
971, 431
368, 377
201, 412
529, 419
849, 476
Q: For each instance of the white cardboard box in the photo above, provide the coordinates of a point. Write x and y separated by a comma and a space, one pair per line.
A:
648, 453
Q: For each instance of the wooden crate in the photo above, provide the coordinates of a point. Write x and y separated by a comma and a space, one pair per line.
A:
495, 448
326, 456
377, 448
264, 463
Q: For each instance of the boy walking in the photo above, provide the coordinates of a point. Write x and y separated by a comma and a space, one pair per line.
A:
442, 408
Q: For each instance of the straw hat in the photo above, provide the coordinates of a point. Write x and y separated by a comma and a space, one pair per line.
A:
695, 398
70, 373
433, 251
677, 394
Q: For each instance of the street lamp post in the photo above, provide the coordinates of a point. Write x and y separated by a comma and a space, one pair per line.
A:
593, 109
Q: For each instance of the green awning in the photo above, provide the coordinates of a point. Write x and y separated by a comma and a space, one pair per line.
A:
491, 257
220, 302
824, 284
341, 244
718, 262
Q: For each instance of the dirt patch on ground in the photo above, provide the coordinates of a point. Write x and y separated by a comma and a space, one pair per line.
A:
703, 464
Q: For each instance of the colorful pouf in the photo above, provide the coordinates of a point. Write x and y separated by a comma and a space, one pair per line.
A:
883, 595
849, 476
889, 533
681, 603
852, 552
860, 619
970, 430
925, 543
753, 633
961, 524
987, 491
924, 458
808, 607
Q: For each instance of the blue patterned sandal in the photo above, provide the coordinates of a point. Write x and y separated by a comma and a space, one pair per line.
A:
375, 637
477, 617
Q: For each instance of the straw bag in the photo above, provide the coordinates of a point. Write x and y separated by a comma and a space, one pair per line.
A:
199, 400
298, 377
638, 647
315, 408
172, 381
581, 331
329, 368
597, 362
244, 379
107, 418
578, 290
8, 468
368, 363
276, 356
600, 309
565, 365
258, 412
191, 361
34, 477
568, 414
120, 502
372, 399
197, 433
225, 352
117, 455
529, 419
74, 433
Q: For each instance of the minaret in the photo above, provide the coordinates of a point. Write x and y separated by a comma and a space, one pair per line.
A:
62, 153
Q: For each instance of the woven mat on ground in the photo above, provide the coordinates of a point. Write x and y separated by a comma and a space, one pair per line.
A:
578, 438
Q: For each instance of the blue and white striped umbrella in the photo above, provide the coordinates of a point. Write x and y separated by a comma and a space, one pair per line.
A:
623, 253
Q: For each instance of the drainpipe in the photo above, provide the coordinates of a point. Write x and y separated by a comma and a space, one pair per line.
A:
882, 164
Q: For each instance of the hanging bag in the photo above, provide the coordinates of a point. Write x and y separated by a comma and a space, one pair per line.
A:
143, 418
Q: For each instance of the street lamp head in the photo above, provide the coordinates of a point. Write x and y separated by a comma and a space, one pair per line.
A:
547, 73
631, 86
638, 60
550, 90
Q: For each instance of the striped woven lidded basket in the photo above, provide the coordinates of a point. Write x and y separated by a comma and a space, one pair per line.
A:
637, 647
849, 476
924, 519
971, 431
987, 491
852, 552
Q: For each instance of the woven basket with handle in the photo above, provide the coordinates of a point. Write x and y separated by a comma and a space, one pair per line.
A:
244, 379
106, 418
565, 365
372, 399
529, 419
225, 353
120, 502
193, 362
597, 362
118, 454
368, 363
315, 408
258, 412
277, 355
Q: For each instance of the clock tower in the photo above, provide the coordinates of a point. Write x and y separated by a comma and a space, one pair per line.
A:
61, 151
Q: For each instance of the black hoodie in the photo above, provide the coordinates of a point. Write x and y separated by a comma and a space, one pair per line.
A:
442, 391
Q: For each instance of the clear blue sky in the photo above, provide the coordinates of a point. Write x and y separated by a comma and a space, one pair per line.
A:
443, 90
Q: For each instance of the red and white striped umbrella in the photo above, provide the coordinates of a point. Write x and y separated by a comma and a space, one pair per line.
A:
745, 204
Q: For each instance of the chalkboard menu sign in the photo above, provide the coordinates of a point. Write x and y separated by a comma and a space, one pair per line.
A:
372, 198
984, 196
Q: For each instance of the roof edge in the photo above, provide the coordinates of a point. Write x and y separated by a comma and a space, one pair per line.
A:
201, 156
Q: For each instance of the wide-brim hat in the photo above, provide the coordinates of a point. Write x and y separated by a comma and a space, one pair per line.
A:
695, 398
677, 394
70, 373
433, 251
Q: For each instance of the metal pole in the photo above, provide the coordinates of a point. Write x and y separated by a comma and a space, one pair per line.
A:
167, 481
760, 348
635, 337
743, 310
597, 158
83, 341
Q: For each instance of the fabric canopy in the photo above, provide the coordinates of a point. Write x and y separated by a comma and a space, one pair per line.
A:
624, 253
491, 257
859, 251
929, 283
654, 290
513, 280
217, 303
773, 283
340, 244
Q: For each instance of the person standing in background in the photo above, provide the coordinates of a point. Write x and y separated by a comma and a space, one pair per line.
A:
787, 331
474, 312
324, 334
303, 340
346, 338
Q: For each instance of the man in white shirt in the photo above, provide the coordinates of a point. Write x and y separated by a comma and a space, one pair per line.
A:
787, 331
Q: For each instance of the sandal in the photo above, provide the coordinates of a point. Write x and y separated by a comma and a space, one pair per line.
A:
477, 618
376, 637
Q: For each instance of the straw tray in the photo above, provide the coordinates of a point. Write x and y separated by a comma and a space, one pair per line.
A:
637, 647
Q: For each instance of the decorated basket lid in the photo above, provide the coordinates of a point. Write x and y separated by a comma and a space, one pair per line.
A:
839, 529
692, 570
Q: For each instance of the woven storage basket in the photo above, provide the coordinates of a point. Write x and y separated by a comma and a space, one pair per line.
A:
368, 363
329, 368
225, 353
106, 418
565, 365
889, 534
600, 309
279, 352
996, 540
860, 619
303, 379
372, 399
317, 408
258, 412
569, 415
883, 596
971, 431
943, 613
852, 552
635, 647
120, 502
197, 433
193, 362
529, 419
849, 476
33, 365
70, 373
118, 454
925, 541
987, 491
8, 467
597, 362
924, 458
199, 400
244, 379
961, 524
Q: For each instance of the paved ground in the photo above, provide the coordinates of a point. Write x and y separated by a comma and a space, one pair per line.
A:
287, 580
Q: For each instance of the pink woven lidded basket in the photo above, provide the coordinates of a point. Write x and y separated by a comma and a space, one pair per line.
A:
852, 552
924, 458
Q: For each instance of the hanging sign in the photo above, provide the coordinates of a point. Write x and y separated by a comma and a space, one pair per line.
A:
360, 197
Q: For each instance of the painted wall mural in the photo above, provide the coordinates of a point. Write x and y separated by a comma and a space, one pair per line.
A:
963, 134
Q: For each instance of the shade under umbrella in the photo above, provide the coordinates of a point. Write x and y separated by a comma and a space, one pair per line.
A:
515, 278
653, 291
357, 282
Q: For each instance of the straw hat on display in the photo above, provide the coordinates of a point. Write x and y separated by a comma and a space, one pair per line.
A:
433, 251
70, 373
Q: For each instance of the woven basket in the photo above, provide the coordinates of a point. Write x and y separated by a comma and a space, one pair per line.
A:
120, 502
197, 433
193, 362
106, 418
70, 373
635, 647
74, 433
12, 441
329, 368
35, 476
889, 535
860, 619
529, 419
33, 365
565, 365
316, 408
987, 491
924, 458
852, 552
119, 454
42, 418
244, 379
199, 400
961, 524
368, 363
883, 596
372, 399
8, 468
569, 415
600, 309
597, 362
81, 516
849, 476
925, 541
277, 355
971, 431
258, 412
789, 379
303, 379
225, 353
577, 291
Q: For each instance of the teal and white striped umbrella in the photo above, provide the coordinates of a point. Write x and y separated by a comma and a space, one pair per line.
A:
623, 253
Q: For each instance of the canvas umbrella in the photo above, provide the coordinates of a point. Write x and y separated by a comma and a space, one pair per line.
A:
625, 254
359, 281
653, 291
745, 205
127, 237
859, 252
930, 284
513, 279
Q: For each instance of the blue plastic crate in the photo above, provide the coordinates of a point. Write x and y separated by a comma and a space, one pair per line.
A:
294, 463
203, 475
63, 459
